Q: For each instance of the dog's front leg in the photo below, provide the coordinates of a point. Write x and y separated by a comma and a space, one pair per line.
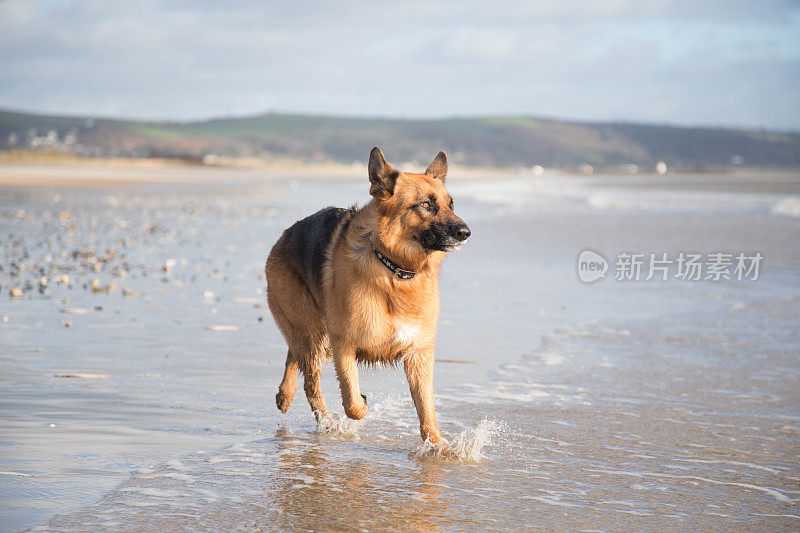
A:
419, 371
344, 359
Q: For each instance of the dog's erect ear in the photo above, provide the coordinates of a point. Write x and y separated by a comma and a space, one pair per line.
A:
438, 169
381, 175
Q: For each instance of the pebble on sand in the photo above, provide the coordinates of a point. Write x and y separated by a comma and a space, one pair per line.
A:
222, 328
75, 310
97, 288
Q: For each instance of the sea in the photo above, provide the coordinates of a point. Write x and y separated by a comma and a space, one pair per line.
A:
615, 353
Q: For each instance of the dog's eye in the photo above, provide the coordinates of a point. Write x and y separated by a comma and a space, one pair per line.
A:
425, 205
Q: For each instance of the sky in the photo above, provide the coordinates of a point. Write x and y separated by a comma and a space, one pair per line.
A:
688, 62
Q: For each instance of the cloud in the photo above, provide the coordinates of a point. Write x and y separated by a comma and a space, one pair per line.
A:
479, 44
731, 62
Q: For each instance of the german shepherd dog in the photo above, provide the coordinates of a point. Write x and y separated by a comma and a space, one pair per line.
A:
361, 286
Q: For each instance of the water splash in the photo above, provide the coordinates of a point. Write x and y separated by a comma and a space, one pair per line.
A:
333, 425
466, 446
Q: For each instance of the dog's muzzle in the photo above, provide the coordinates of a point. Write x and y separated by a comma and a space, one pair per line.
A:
445, 237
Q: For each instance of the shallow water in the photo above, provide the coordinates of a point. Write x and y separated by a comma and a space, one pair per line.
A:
614, 405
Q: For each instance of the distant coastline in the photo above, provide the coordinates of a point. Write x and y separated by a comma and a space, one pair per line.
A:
57, 170
281, 140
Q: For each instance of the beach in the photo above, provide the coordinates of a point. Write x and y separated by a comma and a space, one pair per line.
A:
140, 363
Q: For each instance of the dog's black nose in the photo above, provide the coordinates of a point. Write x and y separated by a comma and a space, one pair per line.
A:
462, 233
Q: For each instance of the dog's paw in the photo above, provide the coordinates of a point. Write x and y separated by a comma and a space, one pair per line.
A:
443, 449
324, 420
440, 449
358, 410
283, 401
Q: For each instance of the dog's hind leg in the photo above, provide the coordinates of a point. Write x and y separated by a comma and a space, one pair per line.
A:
288, 386
311, 367
298, 317
295, 314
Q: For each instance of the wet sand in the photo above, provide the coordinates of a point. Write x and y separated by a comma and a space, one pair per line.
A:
615, 405
79, 175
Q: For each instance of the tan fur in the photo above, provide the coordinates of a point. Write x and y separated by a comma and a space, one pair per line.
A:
364, 314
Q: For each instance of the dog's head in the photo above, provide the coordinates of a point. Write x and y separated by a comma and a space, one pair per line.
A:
416, 211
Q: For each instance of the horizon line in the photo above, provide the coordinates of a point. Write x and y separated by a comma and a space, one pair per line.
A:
334, 115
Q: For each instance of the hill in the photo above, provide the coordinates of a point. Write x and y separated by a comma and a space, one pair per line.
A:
487, 141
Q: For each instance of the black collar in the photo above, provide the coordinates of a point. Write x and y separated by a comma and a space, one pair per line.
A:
391, 265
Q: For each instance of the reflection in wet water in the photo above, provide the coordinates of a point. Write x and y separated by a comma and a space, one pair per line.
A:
289, 481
